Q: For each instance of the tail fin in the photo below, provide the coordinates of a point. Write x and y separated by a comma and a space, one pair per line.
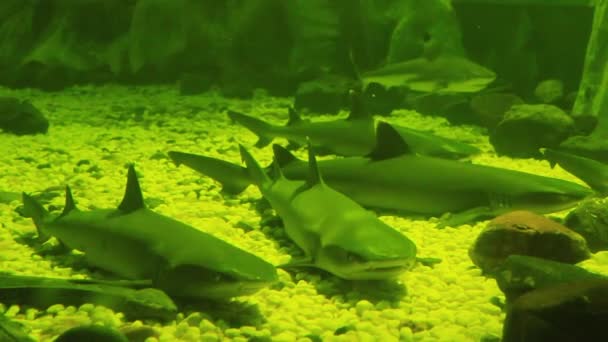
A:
257, 174
33, 209
234, 178
590, 171
258, 127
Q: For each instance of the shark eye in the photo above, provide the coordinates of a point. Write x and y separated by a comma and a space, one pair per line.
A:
353, 257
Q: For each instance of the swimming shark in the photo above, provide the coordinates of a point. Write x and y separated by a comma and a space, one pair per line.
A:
354, 136
394, 179
444, 74
351, 137
590, 171
336, 234
133, 242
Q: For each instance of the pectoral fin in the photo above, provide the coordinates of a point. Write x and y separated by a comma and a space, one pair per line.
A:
428, 261
59, 249
301, 262
465, 217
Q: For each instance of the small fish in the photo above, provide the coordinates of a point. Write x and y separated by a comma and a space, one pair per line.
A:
444, 74
336, 234
134, 242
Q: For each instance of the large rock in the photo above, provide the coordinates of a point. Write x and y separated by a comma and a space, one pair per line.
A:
549, 91
382, 101
525, 128
78, 41
21, 117
325, 95
569, 312
526, 233
491, 107
592, 146
520, 274
590, 219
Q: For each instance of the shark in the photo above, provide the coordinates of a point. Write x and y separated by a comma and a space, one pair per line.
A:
394, 179
350, 137
336, 234
135, 243
590, 171
444, 74
353, 136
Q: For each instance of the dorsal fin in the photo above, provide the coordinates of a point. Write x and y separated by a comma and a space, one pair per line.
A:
358, 109
389, 143
314, 176
282, 156
69, 202
275, 171
294, 117
255, 171
133, 198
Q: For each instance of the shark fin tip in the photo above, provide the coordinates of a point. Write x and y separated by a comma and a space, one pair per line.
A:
70, 204
133, 198
282, 156
294, 117
389, 143
314, 174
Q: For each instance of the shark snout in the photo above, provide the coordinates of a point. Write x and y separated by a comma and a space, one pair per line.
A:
375, 270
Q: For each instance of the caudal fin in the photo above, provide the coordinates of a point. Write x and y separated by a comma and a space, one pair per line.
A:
590, 171
258, 127
234, 178
33, 209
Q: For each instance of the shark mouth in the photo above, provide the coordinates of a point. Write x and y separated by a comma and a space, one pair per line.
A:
380, 269
221, 290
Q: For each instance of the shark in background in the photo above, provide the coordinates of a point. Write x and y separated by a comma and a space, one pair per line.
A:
394, 179
353, 136
136, 243
443, 74
335, 233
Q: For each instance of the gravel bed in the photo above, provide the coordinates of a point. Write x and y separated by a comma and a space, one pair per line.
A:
96, 131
